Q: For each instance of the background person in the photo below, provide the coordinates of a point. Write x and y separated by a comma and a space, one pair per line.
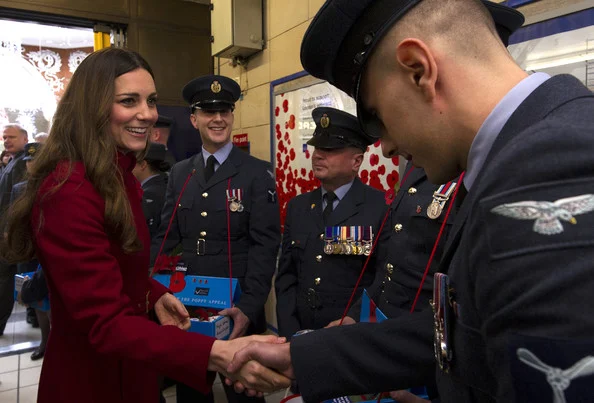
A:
151, 172
229, 199
313, 286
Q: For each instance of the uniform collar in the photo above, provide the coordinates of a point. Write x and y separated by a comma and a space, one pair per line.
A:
220, 155
341, 191
492, 126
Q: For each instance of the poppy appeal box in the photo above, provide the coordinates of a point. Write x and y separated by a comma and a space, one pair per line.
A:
204, 297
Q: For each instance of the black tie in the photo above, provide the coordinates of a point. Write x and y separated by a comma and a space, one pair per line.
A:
209, 170
330, 197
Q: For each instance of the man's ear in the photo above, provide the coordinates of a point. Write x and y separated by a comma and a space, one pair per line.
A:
194, 121
357, 160
155, 135
418, 62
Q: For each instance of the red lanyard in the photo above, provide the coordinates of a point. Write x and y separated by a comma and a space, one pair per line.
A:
156, 267
229, 246
443, 224
389, 199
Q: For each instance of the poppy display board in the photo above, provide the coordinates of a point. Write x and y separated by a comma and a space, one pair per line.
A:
292, 100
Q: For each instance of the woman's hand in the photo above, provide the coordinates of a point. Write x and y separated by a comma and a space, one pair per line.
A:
170, 311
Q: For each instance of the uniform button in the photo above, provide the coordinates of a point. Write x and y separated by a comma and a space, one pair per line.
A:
317, 281
202, 233
205, 195
179, 205
321, 236
397, 227
292, 242
319, 258
204, 214
412, 191
389, 268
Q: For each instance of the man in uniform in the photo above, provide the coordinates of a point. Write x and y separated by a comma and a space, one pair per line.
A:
151, 172
15, 138
160, 134
511, 320
227, 197
412, 230
325, 230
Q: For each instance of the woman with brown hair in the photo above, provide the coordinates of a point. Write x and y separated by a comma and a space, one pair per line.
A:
81, 216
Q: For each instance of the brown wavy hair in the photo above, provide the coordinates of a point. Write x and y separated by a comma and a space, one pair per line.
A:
80, 132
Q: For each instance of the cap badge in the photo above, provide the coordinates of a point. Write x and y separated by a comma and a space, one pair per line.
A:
215, 87
325, 121
32, 150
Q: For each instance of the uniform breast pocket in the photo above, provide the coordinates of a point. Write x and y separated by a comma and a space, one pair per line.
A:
422, 232
239, 216
185, 214
298, 245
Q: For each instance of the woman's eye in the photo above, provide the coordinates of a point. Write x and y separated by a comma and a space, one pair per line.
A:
127, 101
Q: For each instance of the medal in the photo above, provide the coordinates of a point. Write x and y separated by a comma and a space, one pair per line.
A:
347, 249
337, 249
234, 197
440, 197
434, 210
328, 247
441, 320
367, 249
367, 240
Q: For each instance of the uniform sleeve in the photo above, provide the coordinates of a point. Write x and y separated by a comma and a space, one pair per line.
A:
286, 284
174, 237
534, 281
264, 234
364, 357
74, 251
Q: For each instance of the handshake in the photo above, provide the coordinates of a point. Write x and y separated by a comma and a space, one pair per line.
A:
253, 364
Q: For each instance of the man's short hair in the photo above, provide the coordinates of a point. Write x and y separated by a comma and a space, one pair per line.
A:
17, 127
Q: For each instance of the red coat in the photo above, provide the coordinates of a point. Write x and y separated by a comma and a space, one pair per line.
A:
102, 346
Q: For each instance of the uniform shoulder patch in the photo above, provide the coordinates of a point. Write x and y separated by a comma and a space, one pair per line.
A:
550, 370
548, 216
271, 195
539, 217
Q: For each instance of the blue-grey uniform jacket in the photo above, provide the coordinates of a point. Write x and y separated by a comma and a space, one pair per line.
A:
200, 226
522, 277
312, 287
153, 199
411, 235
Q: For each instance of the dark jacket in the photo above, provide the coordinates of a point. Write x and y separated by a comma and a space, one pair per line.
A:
521, 296
200, 226
35, 289
313, 288
12, 174
153, 199
411, 236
